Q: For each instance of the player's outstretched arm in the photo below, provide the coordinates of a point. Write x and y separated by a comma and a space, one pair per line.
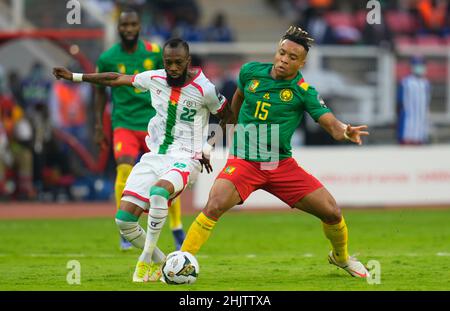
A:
104, 78
340, 131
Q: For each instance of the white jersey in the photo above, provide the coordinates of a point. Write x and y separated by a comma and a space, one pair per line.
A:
180, 125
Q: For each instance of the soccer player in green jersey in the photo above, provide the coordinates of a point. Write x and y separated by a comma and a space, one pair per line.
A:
270, 101
131, 109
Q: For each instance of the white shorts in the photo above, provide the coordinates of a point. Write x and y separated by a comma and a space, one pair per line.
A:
181, 172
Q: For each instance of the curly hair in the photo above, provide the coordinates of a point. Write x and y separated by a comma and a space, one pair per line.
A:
298, 35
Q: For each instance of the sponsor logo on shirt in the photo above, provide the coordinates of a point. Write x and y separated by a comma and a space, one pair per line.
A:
190, 103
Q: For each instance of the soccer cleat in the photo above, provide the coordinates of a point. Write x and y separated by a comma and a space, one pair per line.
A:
178, 236
155, 272
354, 267
141, 272
124, 244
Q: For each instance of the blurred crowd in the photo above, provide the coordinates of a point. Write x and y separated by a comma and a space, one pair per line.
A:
344, 22
163, 19
42, 123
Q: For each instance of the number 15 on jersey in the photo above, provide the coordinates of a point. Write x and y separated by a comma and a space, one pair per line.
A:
261, 111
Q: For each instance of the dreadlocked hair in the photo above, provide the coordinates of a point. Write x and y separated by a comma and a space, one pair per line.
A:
298, 35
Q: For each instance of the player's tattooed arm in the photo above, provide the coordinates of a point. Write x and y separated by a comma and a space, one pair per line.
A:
340, 131
104, 78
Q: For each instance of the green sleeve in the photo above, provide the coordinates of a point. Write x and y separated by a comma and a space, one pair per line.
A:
314, 104
245, 74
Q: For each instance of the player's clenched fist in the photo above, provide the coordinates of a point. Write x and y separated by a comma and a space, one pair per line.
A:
61, 72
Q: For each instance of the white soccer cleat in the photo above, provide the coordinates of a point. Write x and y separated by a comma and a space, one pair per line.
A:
141, 271
354, 267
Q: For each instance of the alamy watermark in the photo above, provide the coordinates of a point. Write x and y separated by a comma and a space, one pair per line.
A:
374, 267
374, 15
73, 277
74, 14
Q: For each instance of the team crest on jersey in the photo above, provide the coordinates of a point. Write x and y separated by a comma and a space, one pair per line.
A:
253, 85
118, 146
148, 64
121, 68
286, 95
266, 96
229, 170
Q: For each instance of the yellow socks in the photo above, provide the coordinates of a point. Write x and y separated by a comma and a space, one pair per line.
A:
123, 171
198, 233
175, 215
338, 236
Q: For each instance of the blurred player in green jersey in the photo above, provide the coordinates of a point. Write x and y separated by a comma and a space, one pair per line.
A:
271, 99
131, 109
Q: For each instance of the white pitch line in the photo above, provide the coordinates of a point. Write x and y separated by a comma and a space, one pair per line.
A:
308, 255
442, 254
250, 256
54, 255
107, 255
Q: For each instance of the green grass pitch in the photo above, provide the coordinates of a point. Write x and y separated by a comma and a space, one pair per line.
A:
247, 251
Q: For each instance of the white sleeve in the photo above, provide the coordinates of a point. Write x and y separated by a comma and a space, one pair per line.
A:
142, 81
214, 100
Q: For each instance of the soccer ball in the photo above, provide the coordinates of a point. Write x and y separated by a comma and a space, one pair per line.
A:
180, 268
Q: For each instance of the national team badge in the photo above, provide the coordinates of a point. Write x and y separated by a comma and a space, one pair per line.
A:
253, 85
266, 96
148, 64
286, 95
119, 146
229, 170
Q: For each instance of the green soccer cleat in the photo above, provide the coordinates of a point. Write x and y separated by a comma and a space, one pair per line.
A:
354, 267
155, 272
141, 272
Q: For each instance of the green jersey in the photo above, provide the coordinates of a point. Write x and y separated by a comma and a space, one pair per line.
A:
271, 111
132, 108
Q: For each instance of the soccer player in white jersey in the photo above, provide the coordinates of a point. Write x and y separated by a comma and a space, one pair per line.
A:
183, 98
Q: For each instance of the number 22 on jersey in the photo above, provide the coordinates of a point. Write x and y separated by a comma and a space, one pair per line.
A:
261, 111
188, 114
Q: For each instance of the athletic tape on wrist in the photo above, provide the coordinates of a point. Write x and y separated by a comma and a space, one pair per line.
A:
77, 77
